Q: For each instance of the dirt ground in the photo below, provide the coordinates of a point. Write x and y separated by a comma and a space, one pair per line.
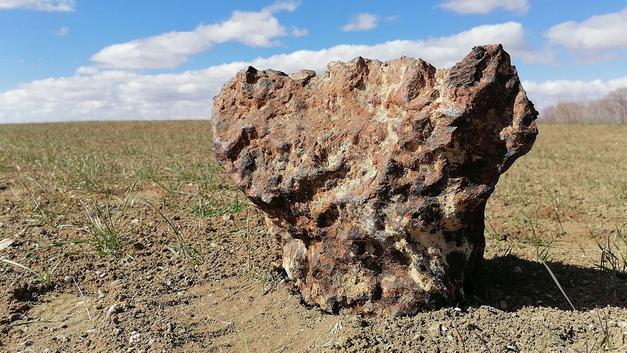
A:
126, 237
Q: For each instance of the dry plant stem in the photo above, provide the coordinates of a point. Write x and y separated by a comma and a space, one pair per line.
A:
557, 283
44, 277
185, 250
80, 292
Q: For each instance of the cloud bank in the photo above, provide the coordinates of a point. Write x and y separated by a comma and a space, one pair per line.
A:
38, 5
96, 93
484, 6
547, 93
608, 31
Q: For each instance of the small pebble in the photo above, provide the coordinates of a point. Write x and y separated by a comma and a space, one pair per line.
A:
435, 329
134, 338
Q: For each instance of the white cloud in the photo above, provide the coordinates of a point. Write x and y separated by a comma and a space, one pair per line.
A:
361, 22
283, 5
168, 50
485, 6
547, 93
608, 31
96, 93
92, 94
38, 5
62, 31
299, 32
442, 52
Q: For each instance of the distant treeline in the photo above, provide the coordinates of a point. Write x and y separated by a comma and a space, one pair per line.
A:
612, 109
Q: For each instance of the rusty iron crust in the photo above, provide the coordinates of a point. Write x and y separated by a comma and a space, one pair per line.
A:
375, 175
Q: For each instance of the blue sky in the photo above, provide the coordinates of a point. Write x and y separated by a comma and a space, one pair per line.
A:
138, 59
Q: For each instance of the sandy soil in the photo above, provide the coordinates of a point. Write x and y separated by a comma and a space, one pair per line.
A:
210, 281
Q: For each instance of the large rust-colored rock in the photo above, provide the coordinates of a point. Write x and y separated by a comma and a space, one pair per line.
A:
375, 175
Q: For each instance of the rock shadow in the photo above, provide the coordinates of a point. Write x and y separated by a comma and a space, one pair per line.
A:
511, 283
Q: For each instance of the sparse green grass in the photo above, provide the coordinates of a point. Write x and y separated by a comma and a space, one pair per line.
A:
105, 234
68, 168
106, 237
532, 234
614, 254
105, 224
44, 212
182, 246
575, 176
205, 206
45, 277
83, 172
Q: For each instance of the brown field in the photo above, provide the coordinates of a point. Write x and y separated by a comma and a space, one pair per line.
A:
126, 237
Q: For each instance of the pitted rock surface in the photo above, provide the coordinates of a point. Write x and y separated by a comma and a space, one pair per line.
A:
375, 175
